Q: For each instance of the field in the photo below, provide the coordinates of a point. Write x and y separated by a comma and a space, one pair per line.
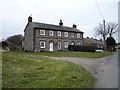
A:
71, 54
21, 71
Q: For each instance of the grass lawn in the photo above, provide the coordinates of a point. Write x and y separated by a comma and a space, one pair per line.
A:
71, 54
20, 71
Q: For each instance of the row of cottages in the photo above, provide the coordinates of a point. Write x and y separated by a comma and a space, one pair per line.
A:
93, 42
48, 37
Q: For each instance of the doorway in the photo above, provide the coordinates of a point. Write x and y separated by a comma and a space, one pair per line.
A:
51, 46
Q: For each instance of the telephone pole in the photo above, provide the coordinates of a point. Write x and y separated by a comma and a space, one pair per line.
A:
104, 35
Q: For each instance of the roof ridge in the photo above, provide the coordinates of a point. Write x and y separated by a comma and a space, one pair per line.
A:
53, 26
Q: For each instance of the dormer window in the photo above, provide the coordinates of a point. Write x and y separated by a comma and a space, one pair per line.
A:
65, 34
59, 33
42, 32
51, 33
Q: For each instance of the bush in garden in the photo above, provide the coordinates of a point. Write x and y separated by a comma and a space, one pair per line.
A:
81, 48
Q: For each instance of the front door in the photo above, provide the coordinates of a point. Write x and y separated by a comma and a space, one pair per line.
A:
51, 46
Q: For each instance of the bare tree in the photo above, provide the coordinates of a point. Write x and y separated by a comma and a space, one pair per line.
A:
100, 30
104, 30
112, 28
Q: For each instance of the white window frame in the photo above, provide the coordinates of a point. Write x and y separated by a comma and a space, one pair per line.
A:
59, 46
65, 34
51, 33
41, 44
58, 33
72, 35
42, 32
78, 35
66, 44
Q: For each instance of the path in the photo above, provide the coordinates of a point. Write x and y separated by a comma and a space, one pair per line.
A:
90, 64
96, 66
3, 50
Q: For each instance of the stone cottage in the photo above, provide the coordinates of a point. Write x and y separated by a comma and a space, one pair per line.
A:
48, 37
93, 42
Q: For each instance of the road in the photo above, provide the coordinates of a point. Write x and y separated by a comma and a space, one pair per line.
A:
107, 74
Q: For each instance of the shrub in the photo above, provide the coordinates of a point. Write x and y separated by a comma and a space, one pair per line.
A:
110, 44
81, 48
110, 41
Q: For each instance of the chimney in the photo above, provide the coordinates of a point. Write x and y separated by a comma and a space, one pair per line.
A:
74, 26
61, 23
29, 19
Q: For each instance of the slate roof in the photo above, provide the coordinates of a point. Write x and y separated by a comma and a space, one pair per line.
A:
54, 27
93, 41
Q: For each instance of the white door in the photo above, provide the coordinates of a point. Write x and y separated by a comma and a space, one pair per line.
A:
51, 46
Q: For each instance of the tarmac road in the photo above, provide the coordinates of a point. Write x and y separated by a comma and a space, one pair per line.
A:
107, 74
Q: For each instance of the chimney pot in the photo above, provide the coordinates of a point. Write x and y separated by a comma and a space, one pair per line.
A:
74, 26
61, 23
29, 19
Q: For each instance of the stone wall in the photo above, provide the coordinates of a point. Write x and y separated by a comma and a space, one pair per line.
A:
27, 44
55, 39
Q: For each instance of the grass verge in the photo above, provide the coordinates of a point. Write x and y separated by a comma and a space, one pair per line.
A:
70, 54
20, 71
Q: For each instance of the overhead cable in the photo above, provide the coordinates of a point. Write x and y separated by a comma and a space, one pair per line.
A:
99, 10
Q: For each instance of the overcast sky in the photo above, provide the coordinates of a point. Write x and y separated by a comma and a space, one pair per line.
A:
83, 13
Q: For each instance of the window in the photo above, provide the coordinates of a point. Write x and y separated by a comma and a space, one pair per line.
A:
51, 33
59, 45
66, 44
72, 34
42, 44
65, 34
42, 32
72, 43
59, 33
78, 43
78, 35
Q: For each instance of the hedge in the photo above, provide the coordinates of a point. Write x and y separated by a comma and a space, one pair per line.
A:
81, 48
